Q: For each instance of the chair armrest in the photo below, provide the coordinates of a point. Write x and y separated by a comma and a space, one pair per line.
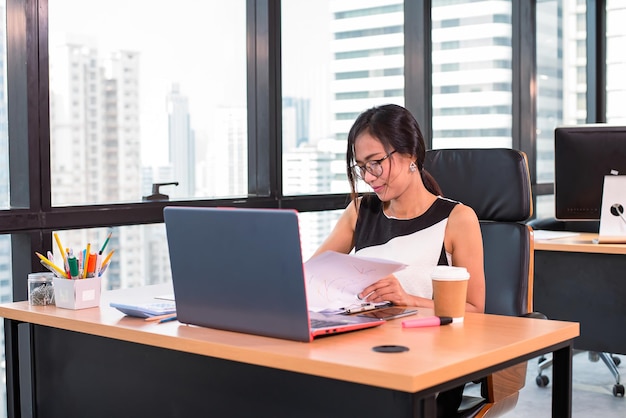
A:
536, 315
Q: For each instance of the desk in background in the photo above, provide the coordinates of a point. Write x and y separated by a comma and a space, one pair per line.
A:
577, 280
98, 363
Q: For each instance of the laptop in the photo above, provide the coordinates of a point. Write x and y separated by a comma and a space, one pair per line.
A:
241, 270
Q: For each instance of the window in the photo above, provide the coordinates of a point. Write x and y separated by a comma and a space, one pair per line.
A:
164, 101
354, 60
615, 62
472, 55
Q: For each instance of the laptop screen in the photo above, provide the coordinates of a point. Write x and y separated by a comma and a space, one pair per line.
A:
238, 270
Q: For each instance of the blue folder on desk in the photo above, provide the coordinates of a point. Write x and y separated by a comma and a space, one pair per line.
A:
241, 270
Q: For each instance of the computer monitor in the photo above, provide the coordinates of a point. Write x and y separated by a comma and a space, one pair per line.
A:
583, 155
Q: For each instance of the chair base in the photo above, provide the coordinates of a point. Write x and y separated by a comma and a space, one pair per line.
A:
477, 407
609, 360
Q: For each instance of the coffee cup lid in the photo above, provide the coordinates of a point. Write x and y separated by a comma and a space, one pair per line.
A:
449, 273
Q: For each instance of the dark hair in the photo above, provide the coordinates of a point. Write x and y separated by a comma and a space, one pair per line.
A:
396, 128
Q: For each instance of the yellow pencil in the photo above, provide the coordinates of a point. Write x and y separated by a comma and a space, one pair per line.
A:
108, 257
56, 238
50, 264
86, 258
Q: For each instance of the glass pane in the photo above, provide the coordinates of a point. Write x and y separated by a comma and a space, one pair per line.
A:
545, 207
6, 296
5, 240
615, 62
315, 228
354, 60
472, 90
140, 254
4, 129
158, 96
561, 81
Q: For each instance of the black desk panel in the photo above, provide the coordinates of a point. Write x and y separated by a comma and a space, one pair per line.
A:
107, 378
589, 288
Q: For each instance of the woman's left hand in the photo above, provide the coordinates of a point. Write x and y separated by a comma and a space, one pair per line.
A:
386, 289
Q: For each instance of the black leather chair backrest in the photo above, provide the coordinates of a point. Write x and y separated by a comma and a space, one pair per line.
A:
493, 181
496, 184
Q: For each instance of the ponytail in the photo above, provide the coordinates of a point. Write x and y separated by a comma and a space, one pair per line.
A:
430, 183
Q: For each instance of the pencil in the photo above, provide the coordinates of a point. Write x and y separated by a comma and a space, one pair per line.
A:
51, 265
56, 238
106, 241
107, 258
86, 260
53, 268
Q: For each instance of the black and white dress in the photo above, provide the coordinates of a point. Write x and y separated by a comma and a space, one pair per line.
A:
417, 242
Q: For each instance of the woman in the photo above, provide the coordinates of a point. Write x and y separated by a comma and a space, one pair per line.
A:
406, 219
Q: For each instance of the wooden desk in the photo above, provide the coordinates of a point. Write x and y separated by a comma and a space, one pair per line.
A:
98, 363
577, 280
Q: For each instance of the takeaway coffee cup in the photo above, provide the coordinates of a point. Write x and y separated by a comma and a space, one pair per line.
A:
450, 291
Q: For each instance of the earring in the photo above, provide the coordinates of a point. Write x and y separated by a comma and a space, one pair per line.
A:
412, 167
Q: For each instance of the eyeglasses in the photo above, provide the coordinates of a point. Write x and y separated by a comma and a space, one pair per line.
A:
374, 167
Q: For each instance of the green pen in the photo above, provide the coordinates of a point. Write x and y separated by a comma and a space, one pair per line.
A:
73, 264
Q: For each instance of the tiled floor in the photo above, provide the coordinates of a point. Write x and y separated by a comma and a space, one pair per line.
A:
592, 386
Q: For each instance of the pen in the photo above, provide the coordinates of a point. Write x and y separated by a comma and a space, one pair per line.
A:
171, 318
91, 264
364, 307
98, 265
430, 321
160, 317
73, 264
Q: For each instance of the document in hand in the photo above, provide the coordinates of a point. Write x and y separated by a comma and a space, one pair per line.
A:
334, 279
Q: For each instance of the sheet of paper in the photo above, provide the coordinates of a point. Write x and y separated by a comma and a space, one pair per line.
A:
334, 279
543, 234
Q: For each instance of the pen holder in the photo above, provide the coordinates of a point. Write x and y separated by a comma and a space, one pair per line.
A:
77, 294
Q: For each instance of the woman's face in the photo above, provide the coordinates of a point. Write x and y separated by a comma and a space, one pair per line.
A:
394, 168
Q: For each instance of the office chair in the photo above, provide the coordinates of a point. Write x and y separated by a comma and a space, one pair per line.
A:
610, 360
496, 184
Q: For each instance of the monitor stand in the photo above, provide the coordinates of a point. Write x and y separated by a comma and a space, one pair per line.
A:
613, 212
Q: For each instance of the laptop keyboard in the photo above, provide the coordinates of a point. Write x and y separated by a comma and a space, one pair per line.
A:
324, 323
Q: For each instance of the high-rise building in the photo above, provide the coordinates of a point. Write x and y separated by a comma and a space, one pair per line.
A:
95, 145
181, 144
226, 160
365, 74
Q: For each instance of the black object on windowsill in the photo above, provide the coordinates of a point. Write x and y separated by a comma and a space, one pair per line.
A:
156, 195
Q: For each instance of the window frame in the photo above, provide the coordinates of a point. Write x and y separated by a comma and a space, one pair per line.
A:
31, 219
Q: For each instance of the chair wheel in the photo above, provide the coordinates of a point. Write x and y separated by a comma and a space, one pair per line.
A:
616, 360
618, 390
542, 381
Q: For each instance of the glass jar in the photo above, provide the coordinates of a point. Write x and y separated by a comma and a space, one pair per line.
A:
40, 289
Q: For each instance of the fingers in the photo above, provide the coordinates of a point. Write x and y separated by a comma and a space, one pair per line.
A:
364, 295
383, 290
